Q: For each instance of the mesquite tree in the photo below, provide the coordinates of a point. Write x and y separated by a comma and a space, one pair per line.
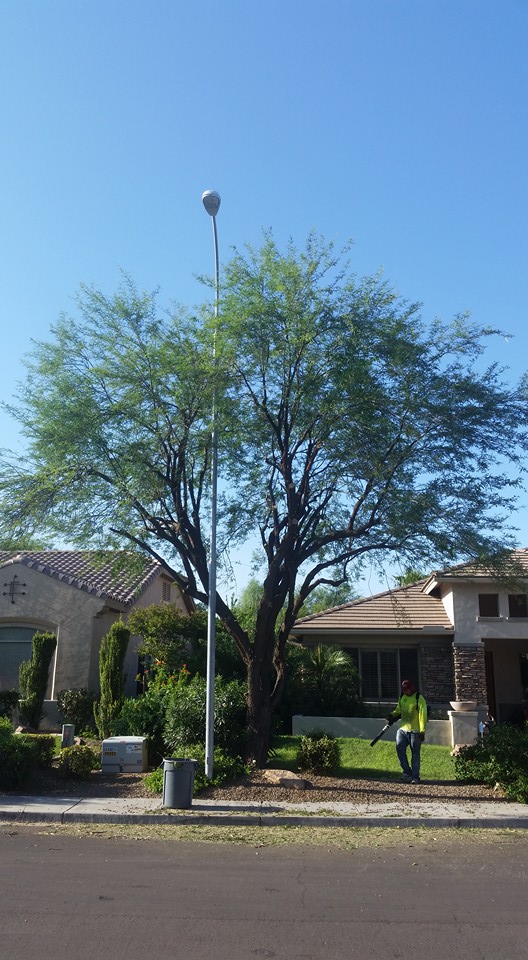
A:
347, 428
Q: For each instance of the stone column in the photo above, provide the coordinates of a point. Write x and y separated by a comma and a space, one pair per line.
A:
470, 672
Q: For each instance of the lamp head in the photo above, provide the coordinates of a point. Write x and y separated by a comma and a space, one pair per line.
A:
211, 202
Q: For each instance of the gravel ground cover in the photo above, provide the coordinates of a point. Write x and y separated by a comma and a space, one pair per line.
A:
260, 786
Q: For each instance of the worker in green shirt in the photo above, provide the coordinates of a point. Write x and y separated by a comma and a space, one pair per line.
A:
412, 710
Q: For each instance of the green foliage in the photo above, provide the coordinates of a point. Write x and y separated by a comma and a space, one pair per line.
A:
410, 576
499, 757
323, 598
144, 716
8, 702
319, 752
18, 757
322, 681
111, 662
78, 762
348, 427
76, 706
175, 639
185, 718
44, 747
33, 679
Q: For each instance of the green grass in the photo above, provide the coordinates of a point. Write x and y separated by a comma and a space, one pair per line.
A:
359, 759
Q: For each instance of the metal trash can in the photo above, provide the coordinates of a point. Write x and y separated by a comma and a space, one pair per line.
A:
178, 782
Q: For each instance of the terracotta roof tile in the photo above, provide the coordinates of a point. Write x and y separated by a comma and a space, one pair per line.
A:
94, 572
404, 608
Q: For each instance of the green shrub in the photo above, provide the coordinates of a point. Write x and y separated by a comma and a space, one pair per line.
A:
33, 679
112, 681
44, 745
499, 757
77, 706
143, 716
8, 702
18, 757
185, 716
319, 752
78, 762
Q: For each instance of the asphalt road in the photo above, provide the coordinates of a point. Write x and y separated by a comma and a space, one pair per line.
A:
70, 898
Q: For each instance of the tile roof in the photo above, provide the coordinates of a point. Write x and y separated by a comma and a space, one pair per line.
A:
514, 564
94, 572
404, 608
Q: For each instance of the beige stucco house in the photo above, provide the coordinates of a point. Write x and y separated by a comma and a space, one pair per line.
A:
76, 595
461, 634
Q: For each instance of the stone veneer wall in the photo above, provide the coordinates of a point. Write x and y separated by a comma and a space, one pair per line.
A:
470, 673
437, 673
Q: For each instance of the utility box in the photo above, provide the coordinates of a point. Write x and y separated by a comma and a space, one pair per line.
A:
124, 755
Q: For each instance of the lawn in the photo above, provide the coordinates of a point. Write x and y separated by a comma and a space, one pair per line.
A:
359, 759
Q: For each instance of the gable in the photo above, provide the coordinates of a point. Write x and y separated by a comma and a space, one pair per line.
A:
102, 575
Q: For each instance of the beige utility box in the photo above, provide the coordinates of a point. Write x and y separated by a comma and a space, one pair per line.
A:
124, 755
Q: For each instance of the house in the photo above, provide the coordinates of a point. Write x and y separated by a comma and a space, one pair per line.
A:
460, 634
76, 595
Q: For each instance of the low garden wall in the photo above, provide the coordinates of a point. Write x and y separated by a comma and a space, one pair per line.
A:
366, 728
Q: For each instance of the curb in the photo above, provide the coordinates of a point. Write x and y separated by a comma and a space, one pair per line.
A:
266, 820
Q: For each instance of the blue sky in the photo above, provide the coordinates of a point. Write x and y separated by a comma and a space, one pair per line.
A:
401, 124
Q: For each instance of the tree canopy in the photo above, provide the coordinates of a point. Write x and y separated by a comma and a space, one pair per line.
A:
347, 428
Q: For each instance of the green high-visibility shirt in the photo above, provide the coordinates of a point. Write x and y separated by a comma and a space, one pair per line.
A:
413, 715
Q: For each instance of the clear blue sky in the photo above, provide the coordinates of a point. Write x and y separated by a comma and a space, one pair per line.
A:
401, 124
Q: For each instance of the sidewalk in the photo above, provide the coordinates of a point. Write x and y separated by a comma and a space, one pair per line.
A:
404, 813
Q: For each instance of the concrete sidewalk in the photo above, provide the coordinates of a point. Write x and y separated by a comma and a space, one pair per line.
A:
402, 813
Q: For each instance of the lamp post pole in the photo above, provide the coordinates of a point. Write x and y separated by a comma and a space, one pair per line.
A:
211, 202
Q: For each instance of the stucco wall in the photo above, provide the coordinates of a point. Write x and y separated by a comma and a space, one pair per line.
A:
79, 621
49, 604
470, 628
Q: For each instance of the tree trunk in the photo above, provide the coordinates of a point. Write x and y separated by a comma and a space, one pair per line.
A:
259, 712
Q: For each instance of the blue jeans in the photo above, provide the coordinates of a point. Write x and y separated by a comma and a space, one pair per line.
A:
404, 739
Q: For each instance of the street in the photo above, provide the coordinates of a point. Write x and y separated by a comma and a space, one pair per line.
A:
74, 897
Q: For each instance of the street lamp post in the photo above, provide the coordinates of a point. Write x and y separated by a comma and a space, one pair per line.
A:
211, 202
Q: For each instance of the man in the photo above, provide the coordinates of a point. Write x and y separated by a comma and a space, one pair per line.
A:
412, 709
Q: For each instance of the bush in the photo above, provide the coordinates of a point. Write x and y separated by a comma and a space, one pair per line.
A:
499, 757
144, 716
18, 757
112, 681
319, 752
33, 679
320, 682
78, 762
77, 706
185, 717
44, 745
8, 702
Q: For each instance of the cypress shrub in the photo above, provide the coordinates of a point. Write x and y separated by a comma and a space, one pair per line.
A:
33, 679
111, 663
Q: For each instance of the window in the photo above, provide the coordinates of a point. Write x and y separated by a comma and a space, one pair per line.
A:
15, 646
165, 591
381, 671
518, 605
488, 604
